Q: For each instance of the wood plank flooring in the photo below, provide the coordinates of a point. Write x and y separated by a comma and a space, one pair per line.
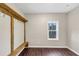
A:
47, 52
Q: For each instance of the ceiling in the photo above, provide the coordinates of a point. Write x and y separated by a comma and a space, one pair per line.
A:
27, 8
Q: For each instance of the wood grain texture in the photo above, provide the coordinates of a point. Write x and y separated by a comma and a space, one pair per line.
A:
47, 52
14, 52
12, 34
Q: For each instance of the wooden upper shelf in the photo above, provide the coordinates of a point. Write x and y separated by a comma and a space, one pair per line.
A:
6, 9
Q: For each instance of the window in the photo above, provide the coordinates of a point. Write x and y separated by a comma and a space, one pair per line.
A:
52, 30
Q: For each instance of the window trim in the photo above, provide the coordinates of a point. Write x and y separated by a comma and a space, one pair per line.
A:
57, 30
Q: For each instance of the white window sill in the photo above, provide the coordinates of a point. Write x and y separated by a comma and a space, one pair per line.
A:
52, 39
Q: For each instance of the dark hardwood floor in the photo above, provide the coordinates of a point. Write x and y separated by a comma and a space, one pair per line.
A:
47, 52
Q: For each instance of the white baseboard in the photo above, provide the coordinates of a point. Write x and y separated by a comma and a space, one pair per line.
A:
73, 50
47, 47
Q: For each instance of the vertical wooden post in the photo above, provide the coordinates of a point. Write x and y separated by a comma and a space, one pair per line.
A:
12, 34
24, 32
26, 43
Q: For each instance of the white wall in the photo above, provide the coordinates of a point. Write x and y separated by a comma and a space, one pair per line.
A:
4, 34
73, 29
18, 33
36, 29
